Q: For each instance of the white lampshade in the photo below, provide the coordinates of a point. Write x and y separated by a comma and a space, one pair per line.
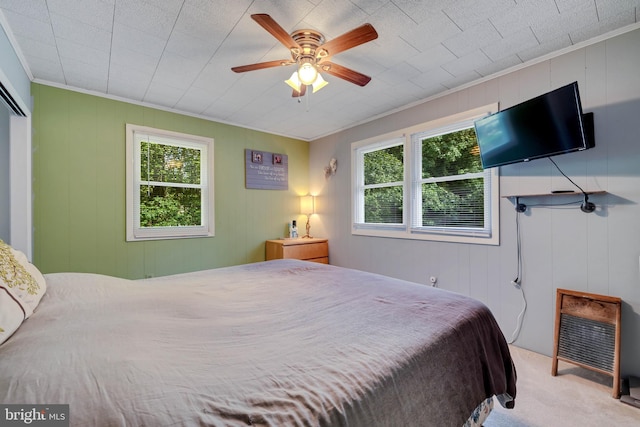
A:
319, 83
307, 205
307, 73
294, 81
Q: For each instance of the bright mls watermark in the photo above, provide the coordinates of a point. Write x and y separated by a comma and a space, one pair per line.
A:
34, 415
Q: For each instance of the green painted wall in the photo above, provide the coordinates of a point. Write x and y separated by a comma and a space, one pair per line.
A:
79, 190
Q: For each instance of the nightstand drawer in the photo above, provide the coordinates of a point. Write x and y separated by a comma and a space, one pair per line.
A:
306, 251
316, 250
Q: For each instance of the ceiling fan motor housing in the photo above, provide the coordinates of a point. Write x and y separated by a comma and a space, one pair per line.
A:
308, 40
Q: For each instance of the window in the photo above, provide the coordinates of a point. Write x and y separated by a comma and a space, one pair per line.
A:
381, 184
426, 184
169, 184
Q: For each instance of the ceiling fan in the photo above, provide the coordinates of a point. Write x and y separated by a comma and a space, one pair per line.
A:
312, 54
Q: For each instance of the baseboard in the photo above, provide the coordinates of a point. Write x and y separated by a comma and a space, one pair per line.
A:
631, 391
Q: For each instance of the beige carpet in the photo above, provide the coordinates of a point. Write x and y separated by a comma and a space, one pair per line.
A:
575, 397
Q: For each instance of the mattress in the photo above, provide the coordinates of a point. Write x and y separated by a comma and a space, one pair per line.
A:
276, 343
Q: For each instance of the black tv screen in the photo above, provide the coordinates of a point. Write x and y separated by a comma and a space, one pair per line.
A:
544, 126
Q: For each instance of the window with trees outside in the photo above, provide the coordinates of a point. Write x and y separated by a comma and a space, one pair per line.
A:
426, 182
169, 184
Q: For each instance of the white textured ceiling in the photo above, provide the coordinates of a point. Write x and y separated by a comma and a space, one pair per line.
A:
177, 54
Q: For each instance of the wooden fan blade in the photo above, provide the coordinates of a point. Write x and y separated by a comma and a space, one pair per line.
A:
303, 90
345, 73
268, 23
363, 34
262, 65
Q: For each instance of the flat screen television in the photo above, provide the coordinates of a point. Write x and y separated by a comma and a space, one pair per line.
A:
544, 126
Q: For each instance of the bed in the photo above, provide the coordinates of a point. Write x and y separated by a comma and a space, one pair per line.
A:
275, 343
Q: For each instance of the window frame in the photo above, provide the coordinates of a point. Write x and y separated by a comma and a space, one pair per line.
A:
412, 210
361, 186
134, 232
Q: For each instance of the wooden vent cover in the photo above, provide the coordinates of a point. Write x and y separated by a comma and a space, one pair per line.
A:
587, 333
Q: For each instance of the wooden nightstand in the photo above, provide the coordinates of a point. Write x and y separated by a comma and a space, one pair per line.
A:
316, 250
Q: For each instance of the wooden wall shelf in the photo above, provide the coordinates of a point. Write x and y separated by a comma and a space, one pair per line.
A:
586, 207
564, 193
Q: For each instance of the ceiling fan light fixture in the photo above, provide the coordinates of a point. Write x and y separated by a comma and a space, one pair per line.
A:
319, 83
307, 73
294, 81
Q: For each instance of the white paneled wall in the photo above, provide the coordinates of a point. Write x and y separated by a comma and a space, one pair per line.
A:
561, 246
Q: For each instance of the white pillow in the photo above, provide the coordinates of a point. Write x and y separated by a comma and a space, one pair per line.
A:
29, 291
21, 289
11, 313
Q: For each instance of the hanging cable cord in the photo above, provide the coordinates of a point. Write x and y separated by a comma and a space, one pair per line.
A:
586, 206
517, 282
563, 174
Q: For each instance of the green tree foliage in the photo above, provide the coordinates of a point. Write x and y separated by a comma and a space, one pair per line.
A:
166, 200
452, 203
384, 204
445, 203
169, 206
454, 153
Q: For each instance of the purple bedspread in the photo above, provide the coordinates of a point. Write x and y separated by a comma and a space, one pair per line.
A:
278, 343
